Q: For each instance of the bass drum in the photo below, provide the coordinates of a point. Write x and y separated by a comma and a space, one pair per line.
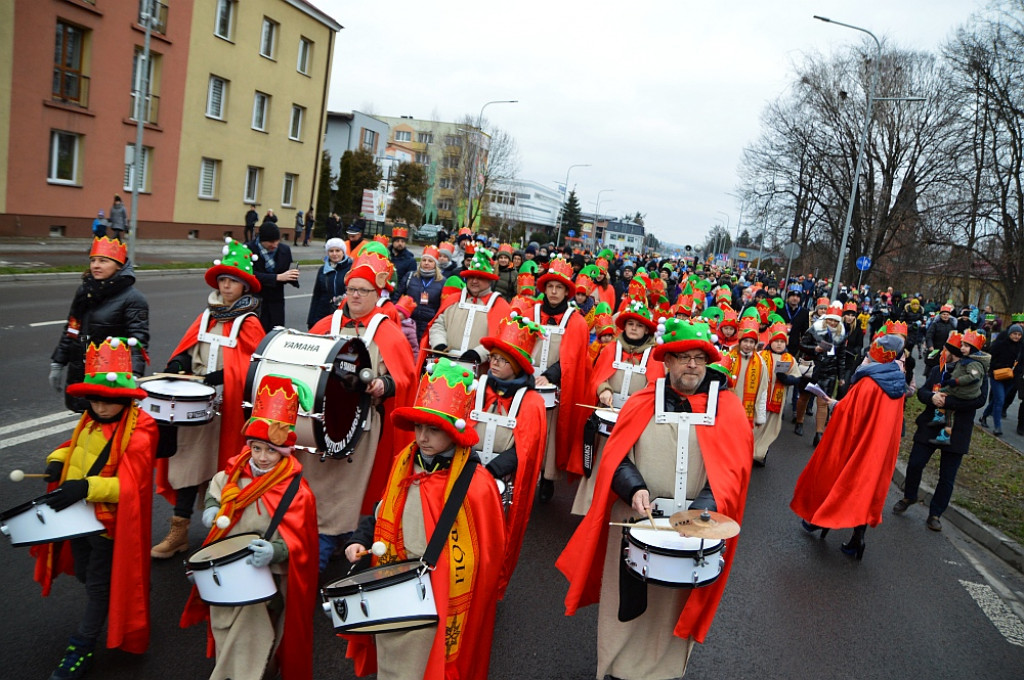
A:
328, 373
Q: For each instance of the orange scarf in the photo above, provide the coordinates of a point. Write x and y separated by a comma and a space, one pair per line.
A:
776, 390
751, 382
234, 500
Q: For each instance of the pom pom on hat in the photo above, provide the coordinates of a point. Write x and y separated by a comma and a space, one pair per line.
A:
460, 424
111, 376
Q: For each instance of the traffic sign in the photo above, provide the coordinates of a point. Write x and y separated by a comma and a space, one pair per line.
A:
863, 263
572, 233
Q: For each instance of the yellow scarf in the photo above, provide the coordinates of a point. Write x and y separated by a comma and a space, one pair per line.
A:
751, 381
776, 390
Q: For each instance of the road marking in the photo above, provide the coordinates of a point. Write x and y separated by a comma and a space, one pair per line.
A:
35, 422
1005, 621
31, 436
296, 297
47, 323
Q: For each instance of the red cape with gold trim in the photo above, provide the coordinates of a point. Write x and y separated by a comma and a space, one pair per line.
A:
397, 356
298, 530
603, 369
486, 517
848, 476
726, 450
236, 368
500, 310
574, 358
128, 611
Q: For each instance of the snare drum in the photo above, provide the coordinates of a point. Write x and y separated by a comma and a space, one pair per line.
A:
36, 522
665, 558
334, 408
223, 577
384, 599
608, 420
550, 394
177, 401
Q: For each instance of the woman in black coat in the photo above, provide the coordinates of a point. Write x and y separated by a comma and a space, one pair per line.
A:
107, 304
824, 343
1005, 350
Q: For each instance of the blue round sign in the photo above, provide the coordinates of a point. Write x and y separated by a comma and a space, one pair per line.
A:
572, 233
863, 263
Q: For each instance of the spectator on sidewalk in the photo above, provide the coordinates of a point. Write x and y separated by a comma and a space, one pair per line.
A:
273, 268
310, 221
118, 218
99, 225
251, 218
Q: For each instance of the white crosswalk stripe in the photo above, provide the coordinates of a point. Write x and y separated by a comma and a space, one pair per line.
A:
1005, 621
31, 431
36, 422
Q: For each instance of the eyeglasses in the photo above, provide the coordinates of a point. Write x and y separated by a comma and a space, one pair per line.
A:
687, 359
498, 360
359, 292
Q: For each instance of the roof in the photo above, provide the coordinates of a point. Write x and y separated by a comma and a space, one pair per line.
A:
310, 9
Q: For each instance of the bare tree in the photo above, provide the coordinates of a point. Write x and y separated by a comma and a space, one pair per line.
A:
483, 159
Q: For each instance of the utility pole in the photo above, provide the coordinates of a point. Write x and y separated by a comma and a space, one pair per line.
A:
141, 113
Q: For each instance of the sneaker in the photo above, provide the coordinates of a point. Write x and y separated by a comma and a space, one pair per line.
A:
933, 523
941, 440
76, 661
799, 430
998, 433
901, 506
939, 419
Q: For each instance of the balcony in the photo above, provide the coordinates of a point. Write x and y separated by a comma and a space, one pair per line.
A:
70, 87
150, 109
159, 24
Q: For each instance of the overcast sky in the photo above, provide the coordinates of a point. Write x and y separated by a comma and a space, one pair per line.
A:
660, 97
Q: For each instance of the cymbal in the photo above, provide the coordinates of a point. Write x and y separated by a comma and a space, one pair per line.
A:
704, 524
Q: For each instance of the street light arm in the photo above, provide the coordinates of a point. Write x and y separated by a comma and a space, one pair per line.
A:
565, 197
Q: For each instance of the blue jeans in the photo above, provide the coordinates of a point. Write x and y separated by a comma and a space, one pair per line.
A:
997, 395
328, 544
949, 465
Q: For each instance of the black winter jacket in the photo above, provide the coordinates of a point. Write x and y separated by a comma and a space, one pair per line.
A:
963, 415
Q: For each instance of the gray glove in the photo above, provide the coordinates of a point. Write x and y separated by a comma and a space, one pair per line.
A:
57, 376
262, 552
209, 515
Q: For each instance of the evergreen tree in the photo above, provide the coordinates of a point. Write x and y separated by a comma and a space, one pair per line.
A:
324, 194
410, 187
571, 215
359, 171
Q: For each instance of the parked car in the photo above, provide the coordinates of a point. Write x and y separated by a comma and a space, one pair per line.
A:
426, 233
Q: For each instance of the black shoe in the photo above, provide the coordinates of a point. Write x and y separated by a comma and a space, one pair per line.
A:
811, 528
998, 433
547, 490
817, 438
901, 506
933, 523
855, 550
799, 430
1020, 431
983, 421
76, 661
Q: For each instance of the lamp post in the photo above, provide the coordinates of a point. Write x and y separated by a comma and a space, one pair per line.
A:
565, 197
480, 133
597, 212
141, 115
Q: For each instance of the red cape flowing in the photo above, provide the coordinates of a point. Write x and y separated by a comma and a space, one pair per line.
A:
848, 476
298, 530
607, 294
726, 450
499, 310
128, 611
232, 419
485, 514
603, 370
397, 356
574, 358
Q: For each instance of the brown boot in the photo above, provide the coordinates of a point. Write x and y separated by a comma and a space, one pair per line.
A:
176, 540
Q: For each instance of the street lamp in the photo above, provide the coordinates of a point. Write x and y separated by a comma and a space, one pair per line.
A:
480, 133
565, 197
141, 92
597, 212
863, 142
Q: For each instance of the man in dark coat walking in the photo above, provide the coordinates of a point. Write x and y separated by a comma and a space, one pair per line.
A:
273, 268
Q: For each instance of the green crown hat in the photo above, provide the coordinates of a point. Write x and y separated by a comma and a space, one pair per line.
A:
637, 311
680, 335
1017, 318
237, 263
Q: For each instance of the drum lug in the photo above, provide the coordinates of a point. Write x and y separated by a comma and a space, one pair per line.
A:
422, 590
4, 530
695, 577
39, 515
216, 576
191, 577
364, 604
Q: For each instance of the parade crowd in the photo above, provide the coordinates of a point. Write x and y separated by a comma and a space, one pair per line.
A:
431, 405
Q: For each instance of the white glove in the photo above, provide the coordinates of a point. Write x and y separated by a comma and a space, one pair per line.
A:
262, 552
209, 515
57, 376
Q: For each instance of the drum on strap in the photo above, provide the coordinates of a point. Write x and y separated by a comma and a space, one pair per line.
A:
36, 522
477, 369
223, 576
550, 395
506, 486
178, 401
596, 430
387, 598
665, 558
330, 375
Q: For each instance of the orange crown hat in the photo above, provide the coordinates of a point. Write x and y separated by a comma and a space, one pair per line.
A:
110, 248
444, 399
447, 246
522, 304
108, 372
373, 267
382, 239
749, 327
729, 318
726, 366
431, 252
466, 231
885, 348
975, 339
406, 305
681, 335
400, 232
946, 308
469, 248
505, 248
822, 302
516, 337
604, 324
896, 328
953, 342
777, 331
526, 284
559, 271
850, 306
274, 410
237, 263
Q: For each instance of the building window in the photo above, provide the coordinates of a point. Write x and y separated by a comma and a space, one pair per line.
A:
295, 125
260, 111
224, 26
445, 204
252, 184
305, 56
143, 165
445, 183
451, 162
403, 136
64, 148
425, 137
159, 16
288, 190
69, 83
208, 178
150, 106
452, 140
422, 158
369, 140
215, 96
268, 39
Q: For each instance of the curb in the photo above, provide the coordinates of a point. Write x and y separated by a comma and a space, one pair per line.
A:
998, 543
77, 276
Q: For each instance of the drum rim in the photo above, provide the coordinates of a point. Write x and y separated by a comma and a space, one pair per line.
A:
210, 395
674, 552
224, 559
677, 585
18, 509
237, 603
20, 544
321, 395
333, 590
352, 629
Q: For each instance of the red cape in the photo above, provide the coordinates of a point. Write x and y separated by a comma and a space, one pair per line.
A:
607, 294
848, 476
726, 450
128, 611
603, 370
486, 516
573, 356
298, 530
397, 356
499, 310
232, 419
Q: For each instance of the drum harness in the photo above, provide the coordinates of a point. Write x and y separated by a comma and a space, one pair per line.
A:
217, 341
473, 309
545, 347
493, 421
683, 421
628, 369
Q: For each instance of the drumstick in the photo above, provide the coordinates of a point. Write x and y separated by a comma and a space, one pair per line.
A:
378, 548
18, 475
599, 408
638, 524
651, 517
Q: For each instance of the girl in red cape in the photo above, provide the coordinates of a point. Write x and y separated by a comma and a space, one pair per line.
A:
230, 322
848, 476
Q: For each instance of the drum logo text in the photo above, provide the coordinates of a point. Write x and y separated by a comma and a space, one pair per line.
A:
301, 346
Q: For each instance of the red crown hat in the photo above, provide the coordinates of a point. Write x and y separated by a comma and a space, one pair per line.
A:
822, 302
406, 305
400, 232
525, 282
516, 337
636, 310
505, 248
896, 328
604, 324
237, 263
444, 399
559, 271
777, 331
446, 246
975, 339
110, 248
522, 304
466, 231
850, 306
885, 348
431, 252
749, 328
274, 411
729, 317
684, 306
469, 248
373, 267
108, 372
953, 341
382, 239
726, 365
946, 308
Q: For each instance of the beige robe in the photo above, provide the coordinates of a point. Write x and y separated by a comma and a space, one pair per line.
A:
550, 470
448, 328
765, 435
645, 648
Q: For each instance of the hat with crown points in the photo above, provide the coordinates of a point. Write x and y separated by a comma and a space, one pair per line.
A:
371, 266
749, 326
108, 372
444, 399
975, 339
400, 232
274, 411
586, 280
727, 367
777, 331
896, 328
953, 342
110, 248
236, 261
885, 348
603, 321
516, 338
406, 305
480, 266
681, 335
559, 271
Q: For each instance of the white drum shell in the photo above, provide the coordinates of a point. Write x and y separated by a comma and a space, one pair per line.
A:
667, 559
608, 420
174, 401
402, 601
223, 576
550, 395
39, 523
